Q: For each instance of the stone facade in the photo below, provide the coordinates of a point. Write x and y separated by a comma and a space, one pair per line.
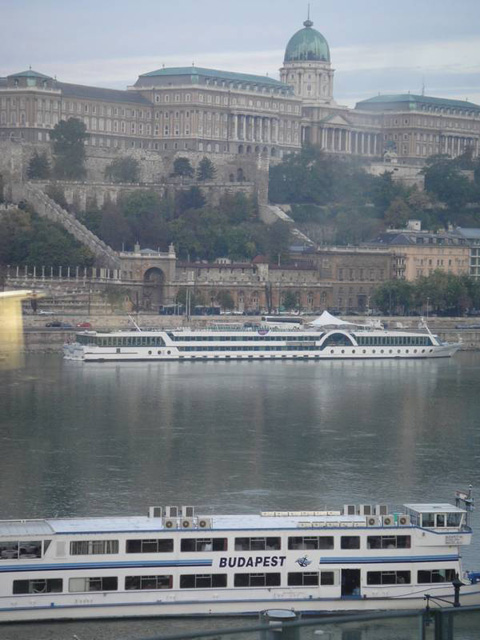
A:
419, 253
218, 112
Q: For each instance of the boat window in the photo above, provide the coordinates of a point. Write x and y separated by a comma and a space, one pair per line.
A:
93, 547
436, 575
428, 519
148, 582
109, 583
203, 544
257, 580
388, 577
337, 339
440, 519
310, 542
388, 542
350, 542
53, 585
257, 544
454, 519
15, 549
300, 579
203, 581
327, 578
157, 545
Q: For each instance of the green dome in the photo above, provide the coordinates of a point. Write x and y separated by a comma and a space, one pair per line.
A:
307, 44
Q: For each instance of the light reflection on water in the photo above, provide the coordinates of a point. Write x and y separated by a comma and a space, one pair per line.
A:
236, 437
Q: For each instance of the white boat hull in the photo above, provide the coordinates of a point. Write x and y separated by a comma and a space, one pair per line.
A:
152, 605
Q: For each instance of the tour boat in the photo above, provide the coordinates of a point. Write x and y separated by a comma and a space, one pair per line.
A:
174, 562
260, 341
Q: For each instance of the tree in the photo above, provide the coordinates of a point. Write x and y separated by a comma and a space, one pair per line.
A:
191, 199
69, 148
290, 301
206, 170
444, 180
38, 167
225, 300
183, 167
57, 194
397, 214
125, 169
394, 296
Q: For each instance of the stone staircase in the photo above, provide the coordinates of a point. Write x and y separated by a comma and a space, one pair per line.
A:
270, 213
48, 208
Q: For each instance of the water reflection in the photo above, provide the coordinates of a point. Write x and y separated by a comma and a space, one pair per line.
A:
115, 438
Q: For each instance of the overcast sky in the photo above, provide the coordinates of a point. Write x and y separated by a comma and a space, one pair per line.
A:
388, 46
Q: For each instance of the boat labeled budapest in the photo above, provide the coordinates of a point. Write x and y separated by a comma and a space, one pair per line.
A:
174, 562
327, 338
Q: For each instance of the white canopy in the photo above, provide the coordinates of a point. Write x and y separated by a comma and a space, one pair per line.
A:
327, 320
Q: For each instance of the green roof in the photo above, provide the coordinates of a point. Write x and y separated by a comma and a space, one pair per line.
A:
413, 102
29, 73
307, 44
230, 76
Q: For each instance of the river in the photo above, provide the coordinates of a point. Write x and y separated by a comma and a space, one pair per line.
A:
113, 439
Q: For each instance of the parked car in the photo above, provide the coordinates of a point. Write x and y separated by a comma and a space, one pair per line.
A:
59, 325
84, 325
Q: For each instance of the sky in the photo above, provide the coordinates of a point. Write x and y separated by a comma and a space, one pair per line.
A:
377, 47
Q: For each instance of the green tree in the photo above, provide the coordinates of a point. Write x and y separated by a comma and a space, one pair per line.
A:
444, 180
191, 199
68, 139
225, 300
394, 296
183, 167
397, 214
39, 167
289, 301
206, 170
126, 169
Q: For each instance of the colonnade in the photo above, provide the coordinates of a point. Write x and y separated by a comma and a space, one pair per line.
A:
356, 142
254, 128
456, 145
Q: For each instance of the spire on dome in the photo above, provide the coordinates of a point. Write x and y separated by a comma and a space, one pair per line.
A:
308, 23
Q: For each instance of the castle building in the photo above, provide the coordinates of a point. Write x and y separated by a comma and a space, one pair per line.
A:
212, 111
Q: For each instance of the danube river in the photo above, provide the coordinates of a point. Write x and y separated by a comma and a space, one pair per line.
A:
113, 439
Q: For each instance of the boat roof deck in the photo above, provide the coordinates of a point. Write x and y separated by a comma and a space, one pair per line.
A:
146, 524
434, 508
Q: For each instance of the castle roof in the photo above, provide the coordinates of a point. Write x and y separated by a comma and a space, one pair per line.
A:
307, 44
411, 101
98, 93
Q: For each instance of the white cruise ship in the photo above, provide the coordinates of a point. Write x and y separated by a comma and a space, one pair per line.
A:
326, 338
175, 562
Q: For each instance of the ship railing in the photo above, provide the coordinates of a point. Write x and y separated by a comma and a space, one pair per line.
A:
448, 623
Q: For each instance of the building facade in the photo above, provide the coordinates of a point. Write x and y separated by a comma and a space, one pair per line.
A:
420, 253
212, 111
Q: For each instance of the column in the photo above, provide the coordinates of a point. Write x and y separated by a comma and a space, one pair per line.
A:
260, 129
233, 128
268, 130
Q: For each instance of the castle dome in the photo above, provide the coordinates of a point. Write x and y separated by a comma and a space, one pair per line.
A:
307, 44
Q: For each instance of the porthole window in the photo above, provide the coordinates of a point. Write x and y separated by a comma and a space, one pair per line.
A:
406, 351
423, 350
159, 353
373, 351
343, 350
353, 351
149, 353
414, 351
168, 352
364, 351
381, 351
332, 351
